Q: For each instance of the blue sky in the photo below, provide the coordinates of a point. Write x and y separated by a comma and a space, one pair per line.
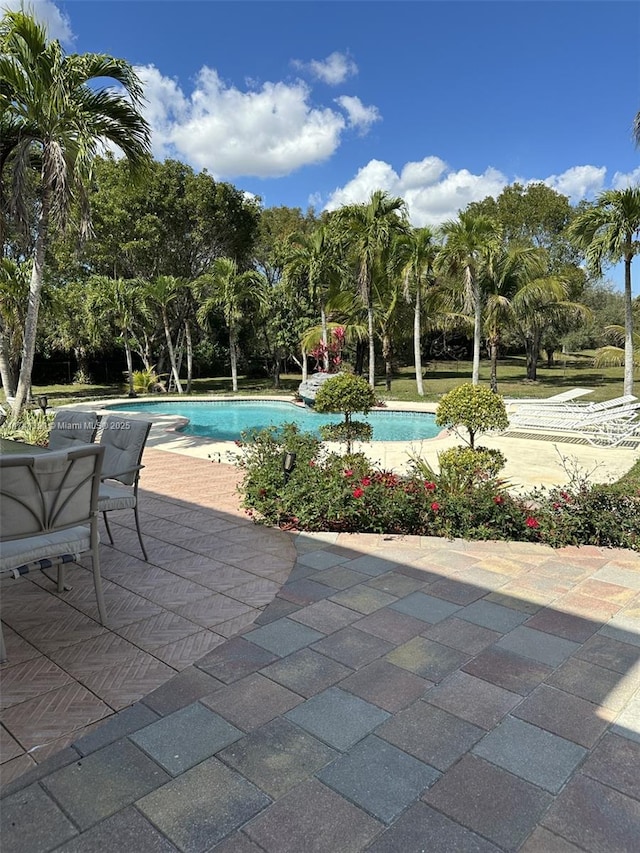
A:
323, 102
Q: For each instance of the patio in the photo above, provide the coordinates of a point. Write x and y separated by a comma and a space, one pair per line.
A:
386, 694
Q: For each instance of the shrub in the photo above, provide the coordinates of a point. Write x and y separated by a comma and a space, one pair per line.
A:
345, 394
145, 381
477, 409
30, 426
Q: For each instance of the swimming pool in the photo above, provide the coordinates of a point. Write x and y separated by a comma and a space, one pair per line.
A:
226, 420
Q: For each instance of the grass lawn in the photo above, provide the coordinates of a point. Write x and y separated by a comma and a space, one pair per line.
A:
440, 376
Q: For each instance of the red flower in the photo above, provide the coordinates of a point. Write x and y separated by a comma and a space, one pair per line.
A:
348, 473
430, 487
498, 499
358, 492
365, 481
565, 496
435, 506
262, 492
312, 464
557, 505
532, 522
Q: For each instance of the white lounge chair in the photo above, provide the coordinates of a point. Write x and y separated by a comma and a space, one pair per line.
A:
530, 407
609, 427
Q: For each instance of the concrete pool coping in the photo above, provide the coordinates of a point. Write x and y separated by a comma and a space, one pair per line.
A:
540, 460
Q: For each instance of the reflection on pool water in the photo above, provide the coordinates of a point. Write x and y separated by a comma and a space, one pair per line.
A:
226, 420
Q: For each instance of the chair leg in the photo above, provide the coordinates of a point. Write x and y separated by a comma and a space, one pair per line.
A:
97, 578
106, 524
144, 551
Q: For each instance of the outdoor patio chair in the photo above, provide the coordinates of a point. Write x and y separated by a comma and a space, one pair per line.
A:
546, 408
123, 440
71, 428
48, 514
608, 428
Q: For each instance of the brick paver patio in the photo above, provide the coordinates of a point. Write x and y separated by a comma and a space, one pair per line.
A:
326, 693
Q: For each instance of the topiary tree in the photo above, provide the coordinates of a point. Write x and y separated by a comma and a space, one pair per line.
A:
345, 393
476, 408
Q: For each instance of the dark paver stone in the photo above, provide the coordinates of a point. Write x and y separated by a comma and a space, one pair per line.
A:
251, 702
183, 689
430, 734
454, 590
313, 819
494, 803
421, 828
283, 636
595, 817
235, 659
426, 607
396, 584
278, 756
370, 565
185, 738
378, 777
531, 753
353, 648
593, 683
338, 718
537, 645
514, 673
543, 841
339, 577
564, 714
492, 616
276, 609
478, 701
237, 843
386, 685
306, 672
30, 822
611, 654
120, 772
427, 658
201, 807
567, 625
304, 591
126, 830
363, 598
616, 762
121, 724
391, 626
321, 559
461, 635
53, 762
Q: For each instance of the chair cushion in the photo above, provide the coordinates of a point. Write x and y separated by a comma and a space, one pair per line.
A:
115, 497
16, 552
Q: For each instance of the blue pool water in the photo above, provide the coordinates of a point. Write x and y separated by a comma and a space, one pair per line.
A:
225, 420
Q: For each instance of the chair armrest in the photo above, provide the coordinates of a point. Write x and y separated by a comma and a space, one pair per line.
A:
121, 473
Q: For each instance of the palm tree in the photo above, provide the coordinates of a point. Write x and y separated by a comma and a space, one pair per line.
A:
369, 230
14, 290
419, 250
613, 356
609, 230
59, 119
235, 293
469, 241
161, 293
315, 257
636, 129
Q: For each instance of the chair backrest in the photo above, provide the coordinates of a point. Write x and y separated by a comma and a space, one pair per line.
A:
49, 491
71, 428
123, 440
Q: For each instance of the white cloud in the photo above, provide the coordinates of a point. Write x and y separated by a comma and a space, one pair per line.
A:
360, 117
333, 70
265, 131
578, 182
431, 191
46, 12
625, 180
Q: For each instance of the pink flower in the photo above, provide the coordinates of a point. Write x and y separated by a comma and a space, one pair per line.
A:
312, 464
358, 492
430, 487
348, 473
498, 499
532, 522
557, 505
435, 506
365, 481
565, 496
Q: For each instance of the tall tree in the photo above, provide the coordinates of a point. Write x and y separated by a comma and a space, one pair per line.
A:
61, 118
161, 294
609, 230
236, 293
418, 251
636, 129
369, 230
469, 241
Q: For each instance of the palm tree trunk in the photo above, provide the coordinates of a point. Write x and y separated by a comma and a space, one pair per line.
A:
129, 357
6, 370
417, 348
325, 338
172, 355
372, 344
234, 359
305, 369
187, 335
628, 325
493, 354
387, 353
35, 289
532, 350
477, 331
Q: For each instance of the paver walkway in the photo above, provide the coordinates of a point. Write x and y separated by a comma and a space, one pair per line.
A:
398, 694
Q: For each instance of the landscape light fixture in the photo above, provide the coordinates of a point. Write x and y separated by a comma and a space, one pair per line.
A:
288, 464
43, 402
